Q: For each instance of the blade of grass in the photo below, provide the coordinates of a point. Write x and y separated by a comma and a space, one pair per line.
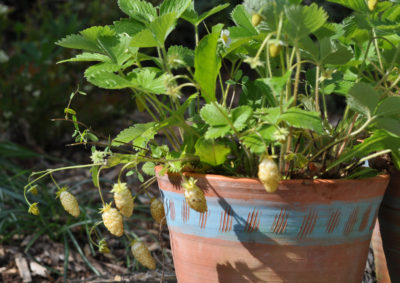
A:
33, 240
66, 257
78, 248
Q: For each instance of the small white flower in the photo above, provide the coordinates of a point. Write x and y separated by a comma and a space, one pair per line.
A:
98, 156
225, 38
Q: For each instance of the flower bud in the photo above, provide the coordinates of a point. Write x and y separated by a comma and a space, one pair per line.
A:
33, 209
255, 19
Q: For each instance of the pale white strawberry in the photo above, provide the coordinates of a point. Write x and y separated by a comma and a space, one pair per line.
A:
69, 202
112, 219
269, 175
142, 254
123, 199
157, 210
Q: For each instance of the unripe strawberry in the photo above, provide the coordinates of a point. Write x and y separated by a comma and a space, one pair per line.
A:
194, 196
269, 175
157, 210
112, 219
372, 4
255, 19
103, 247
142, 255
33, 190
33, 209
123, 199
274, 49
69, 202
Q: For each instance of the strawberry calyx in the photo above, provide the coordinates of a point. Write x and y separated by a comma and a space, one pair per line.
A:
119, 187
189, 184
106, 207
62, 189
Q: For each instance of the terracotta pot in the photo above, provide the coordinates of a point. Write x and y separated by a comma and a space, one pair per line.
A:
389, 222
307, 231
382, 274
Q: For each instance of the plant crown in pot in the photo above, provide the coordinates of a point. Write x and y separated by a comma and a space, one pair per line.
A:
249, 99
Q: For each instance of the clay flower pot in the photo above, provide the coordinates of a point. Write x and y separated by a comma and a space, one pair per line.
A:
307, 231
388, 259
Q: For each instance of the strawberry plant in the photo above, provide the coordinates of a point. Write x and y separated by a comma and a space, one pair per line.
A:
248, 99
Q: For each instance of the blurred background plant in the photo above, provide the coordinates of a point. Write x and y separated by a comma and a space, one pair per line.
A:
33, 89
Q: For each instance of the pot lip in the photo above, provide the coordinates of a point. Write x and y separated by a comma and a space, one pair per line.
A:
380, 177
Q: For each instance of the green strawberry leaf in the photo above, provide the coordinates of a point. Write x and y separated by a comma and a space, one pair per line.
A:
208, 63
212, 152
303, 119
304, 20
242, 19
144, 38
240, 116
148, 168
389, 106
180, 57
87, 57
142, 11
162, 26
129, 26
363, 98
258, 141
214, 114
214, 132
140, 134
174, 6
107, 80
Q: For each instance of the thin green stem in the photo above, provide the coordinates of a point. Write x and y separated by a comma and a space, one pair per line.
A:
363, 127
317, 89
54, 181
50, 171
376, 154
92, 229
377, 48
99, 186
196, 34
297, 77
324, 103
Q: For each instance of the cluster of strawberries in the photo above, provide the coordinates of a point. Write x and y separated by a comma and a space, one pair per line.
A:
112, 218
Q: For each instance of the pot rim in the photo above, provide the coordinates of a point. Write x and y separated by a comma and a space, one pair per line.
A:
158, 168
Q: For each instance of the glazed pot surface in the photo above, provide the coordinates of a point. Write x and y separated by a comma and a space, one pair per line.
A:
308, 231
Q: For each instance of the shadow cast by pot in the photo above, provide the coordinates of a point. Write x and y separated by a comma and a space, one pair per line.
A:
252, 239
239, 272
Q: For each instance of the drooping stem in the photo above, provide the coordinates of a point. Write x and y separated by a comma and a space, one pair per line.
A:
297, 77
377, 49
317, 89
99, 186
343, 146
50, 171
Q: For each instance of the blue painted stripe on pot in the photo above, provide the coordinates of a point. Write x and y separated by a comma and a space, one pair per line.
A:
271, 222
